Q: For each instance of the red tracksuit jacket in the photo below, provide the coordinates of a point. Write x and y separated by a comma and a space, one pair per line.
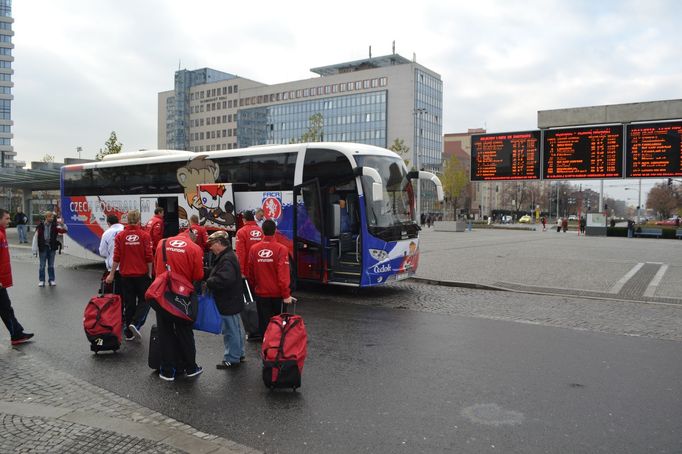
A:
202, 236
133, 251
155, 229
184, 257
248, 236
268, 270
5, 266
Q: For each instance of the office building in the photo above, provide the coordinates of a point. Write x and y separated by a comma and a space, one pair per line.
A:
373, 101
7, 152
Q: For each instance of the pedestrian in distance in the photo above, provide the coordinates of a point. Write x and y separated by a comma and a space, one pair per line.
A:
583, 223
45, 245
133, 259
16, 331
564, 224
259, 217
106, 247
543, 220
176, 339
558, 225
20, 221
225, 283
155, 227
268, 273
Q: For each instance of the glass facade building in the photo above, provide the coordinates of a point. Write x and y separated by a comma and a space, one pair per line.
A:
375, 101
357, 118
7, 152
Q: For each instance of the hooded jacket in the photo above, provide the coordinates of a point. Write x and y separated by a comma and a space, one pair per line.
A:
5, 266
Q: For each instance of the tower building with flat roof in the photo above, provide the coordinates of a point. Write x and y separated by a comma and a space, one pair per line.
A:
7, 152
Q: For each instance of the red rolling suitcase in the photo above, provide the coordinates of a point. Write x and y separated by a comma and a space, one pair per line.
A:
103, 322
284, 350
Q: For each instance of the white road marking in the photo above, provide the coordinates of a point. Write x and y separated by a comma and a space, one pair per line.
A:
623, 280
651, 289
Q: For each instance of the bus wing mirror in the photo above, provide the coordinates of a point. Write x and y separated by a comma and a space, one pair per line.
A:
423, 175
377, 187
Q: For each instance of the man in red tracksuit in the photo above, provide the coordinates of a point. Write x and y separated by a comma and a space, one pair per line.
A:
268, 272
133, 260
249, 235
200, 231
176, 339
16, 331
155, 227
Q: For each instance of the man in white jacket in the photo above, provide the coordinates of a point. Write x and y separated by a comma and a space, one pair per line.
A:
106, 247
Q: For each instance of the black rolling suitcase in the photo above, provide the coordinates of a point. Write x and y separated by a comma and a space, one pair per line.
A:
154, 359
249, 314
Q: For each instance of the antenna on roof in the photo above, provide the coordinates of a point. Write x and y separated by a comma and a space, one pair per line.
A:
179, 63
394, 47
370, 52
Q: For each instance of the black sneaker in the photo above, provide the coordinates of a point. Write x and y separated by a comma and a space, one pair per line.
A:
129, 334
194, 372
226, 365
21, 338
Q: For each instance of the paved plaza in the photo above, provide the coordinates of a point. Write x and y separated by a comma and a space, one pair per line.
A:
636, 269
609, 286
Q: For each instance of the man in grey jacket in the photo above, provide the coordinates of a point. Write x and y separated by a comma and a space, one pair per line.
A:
225, 283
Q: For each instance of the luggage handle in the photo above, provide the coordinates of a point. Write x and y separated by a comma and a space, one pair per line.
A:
293, 301
101, 286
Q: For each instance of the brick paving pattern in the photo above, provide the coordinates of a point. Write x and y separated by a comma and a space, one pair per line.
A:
26, 381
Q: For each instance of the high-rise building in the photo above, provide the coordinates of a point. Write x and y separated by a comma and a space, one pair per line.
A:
7, 152
373, 101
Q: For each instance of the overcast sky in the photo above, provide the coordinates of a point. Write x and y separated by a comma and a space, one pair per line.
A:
84, 68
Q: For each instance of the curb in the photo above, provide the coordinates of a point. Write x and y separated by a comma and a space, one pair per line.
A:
460, 284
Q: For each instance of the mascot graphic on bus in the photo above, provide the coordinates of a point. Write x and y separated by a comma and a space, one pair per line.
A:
203, 195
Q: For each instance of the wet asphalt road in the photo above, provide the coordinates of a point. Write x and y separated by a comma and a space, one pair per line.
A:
390, 380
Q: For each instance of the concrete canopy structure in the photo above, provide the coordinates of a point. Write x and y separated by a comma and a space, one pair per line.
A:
613, 113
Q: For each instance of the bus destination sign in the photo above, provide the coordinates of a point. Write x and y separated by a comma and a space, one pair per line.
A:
595, 152
505, 156
654, 150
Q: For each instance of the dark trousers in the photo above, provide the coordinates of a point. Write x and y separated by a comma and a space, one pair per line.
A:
267, 308
136, 307
176, 342
7, 313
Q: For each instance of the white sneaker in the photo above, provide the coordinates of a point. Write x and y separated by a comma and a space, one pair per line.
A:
41, 284
53, 283
135, 331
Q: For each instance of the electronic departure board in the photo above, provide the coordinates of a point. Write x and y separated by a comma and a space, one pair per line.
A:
505, 156
654, 150
595, 152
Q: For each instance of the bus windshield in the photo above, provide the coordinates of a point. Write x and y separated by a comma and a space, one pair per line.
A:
396, 209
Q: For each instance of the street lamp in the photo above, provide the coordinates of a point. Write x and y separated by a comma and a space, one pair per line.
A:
639, 199
417, 144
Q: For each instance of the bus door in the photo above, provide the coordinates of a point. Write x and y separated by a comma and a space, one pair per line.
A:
147, 206
171, 221
308, 231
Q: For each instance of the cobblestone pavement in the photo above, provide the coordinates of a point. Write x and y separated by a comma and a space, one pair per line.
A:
45, 410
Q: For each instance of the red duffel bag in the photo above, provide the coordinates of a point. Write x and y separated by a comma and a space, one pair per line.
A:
284, 350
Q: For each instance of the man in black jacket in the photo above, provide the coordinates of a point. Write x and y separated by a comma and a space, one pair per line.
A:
225, 283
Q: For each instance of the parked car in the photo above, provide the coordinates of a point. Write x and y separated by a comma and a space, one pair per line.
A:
675, 220
525, 219
573, 217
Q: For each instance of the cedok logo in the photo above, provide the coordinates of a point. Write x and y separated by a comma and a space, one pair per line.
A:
265, 253
132, 238
256, 234
178, 243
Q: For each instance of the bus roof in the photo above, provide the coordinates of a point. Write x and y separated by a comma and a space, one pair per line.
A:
150, 156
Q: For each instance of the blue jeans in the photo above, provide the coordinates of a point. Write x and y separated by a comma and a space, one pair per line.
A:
21, 229
233, 338
46, 255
